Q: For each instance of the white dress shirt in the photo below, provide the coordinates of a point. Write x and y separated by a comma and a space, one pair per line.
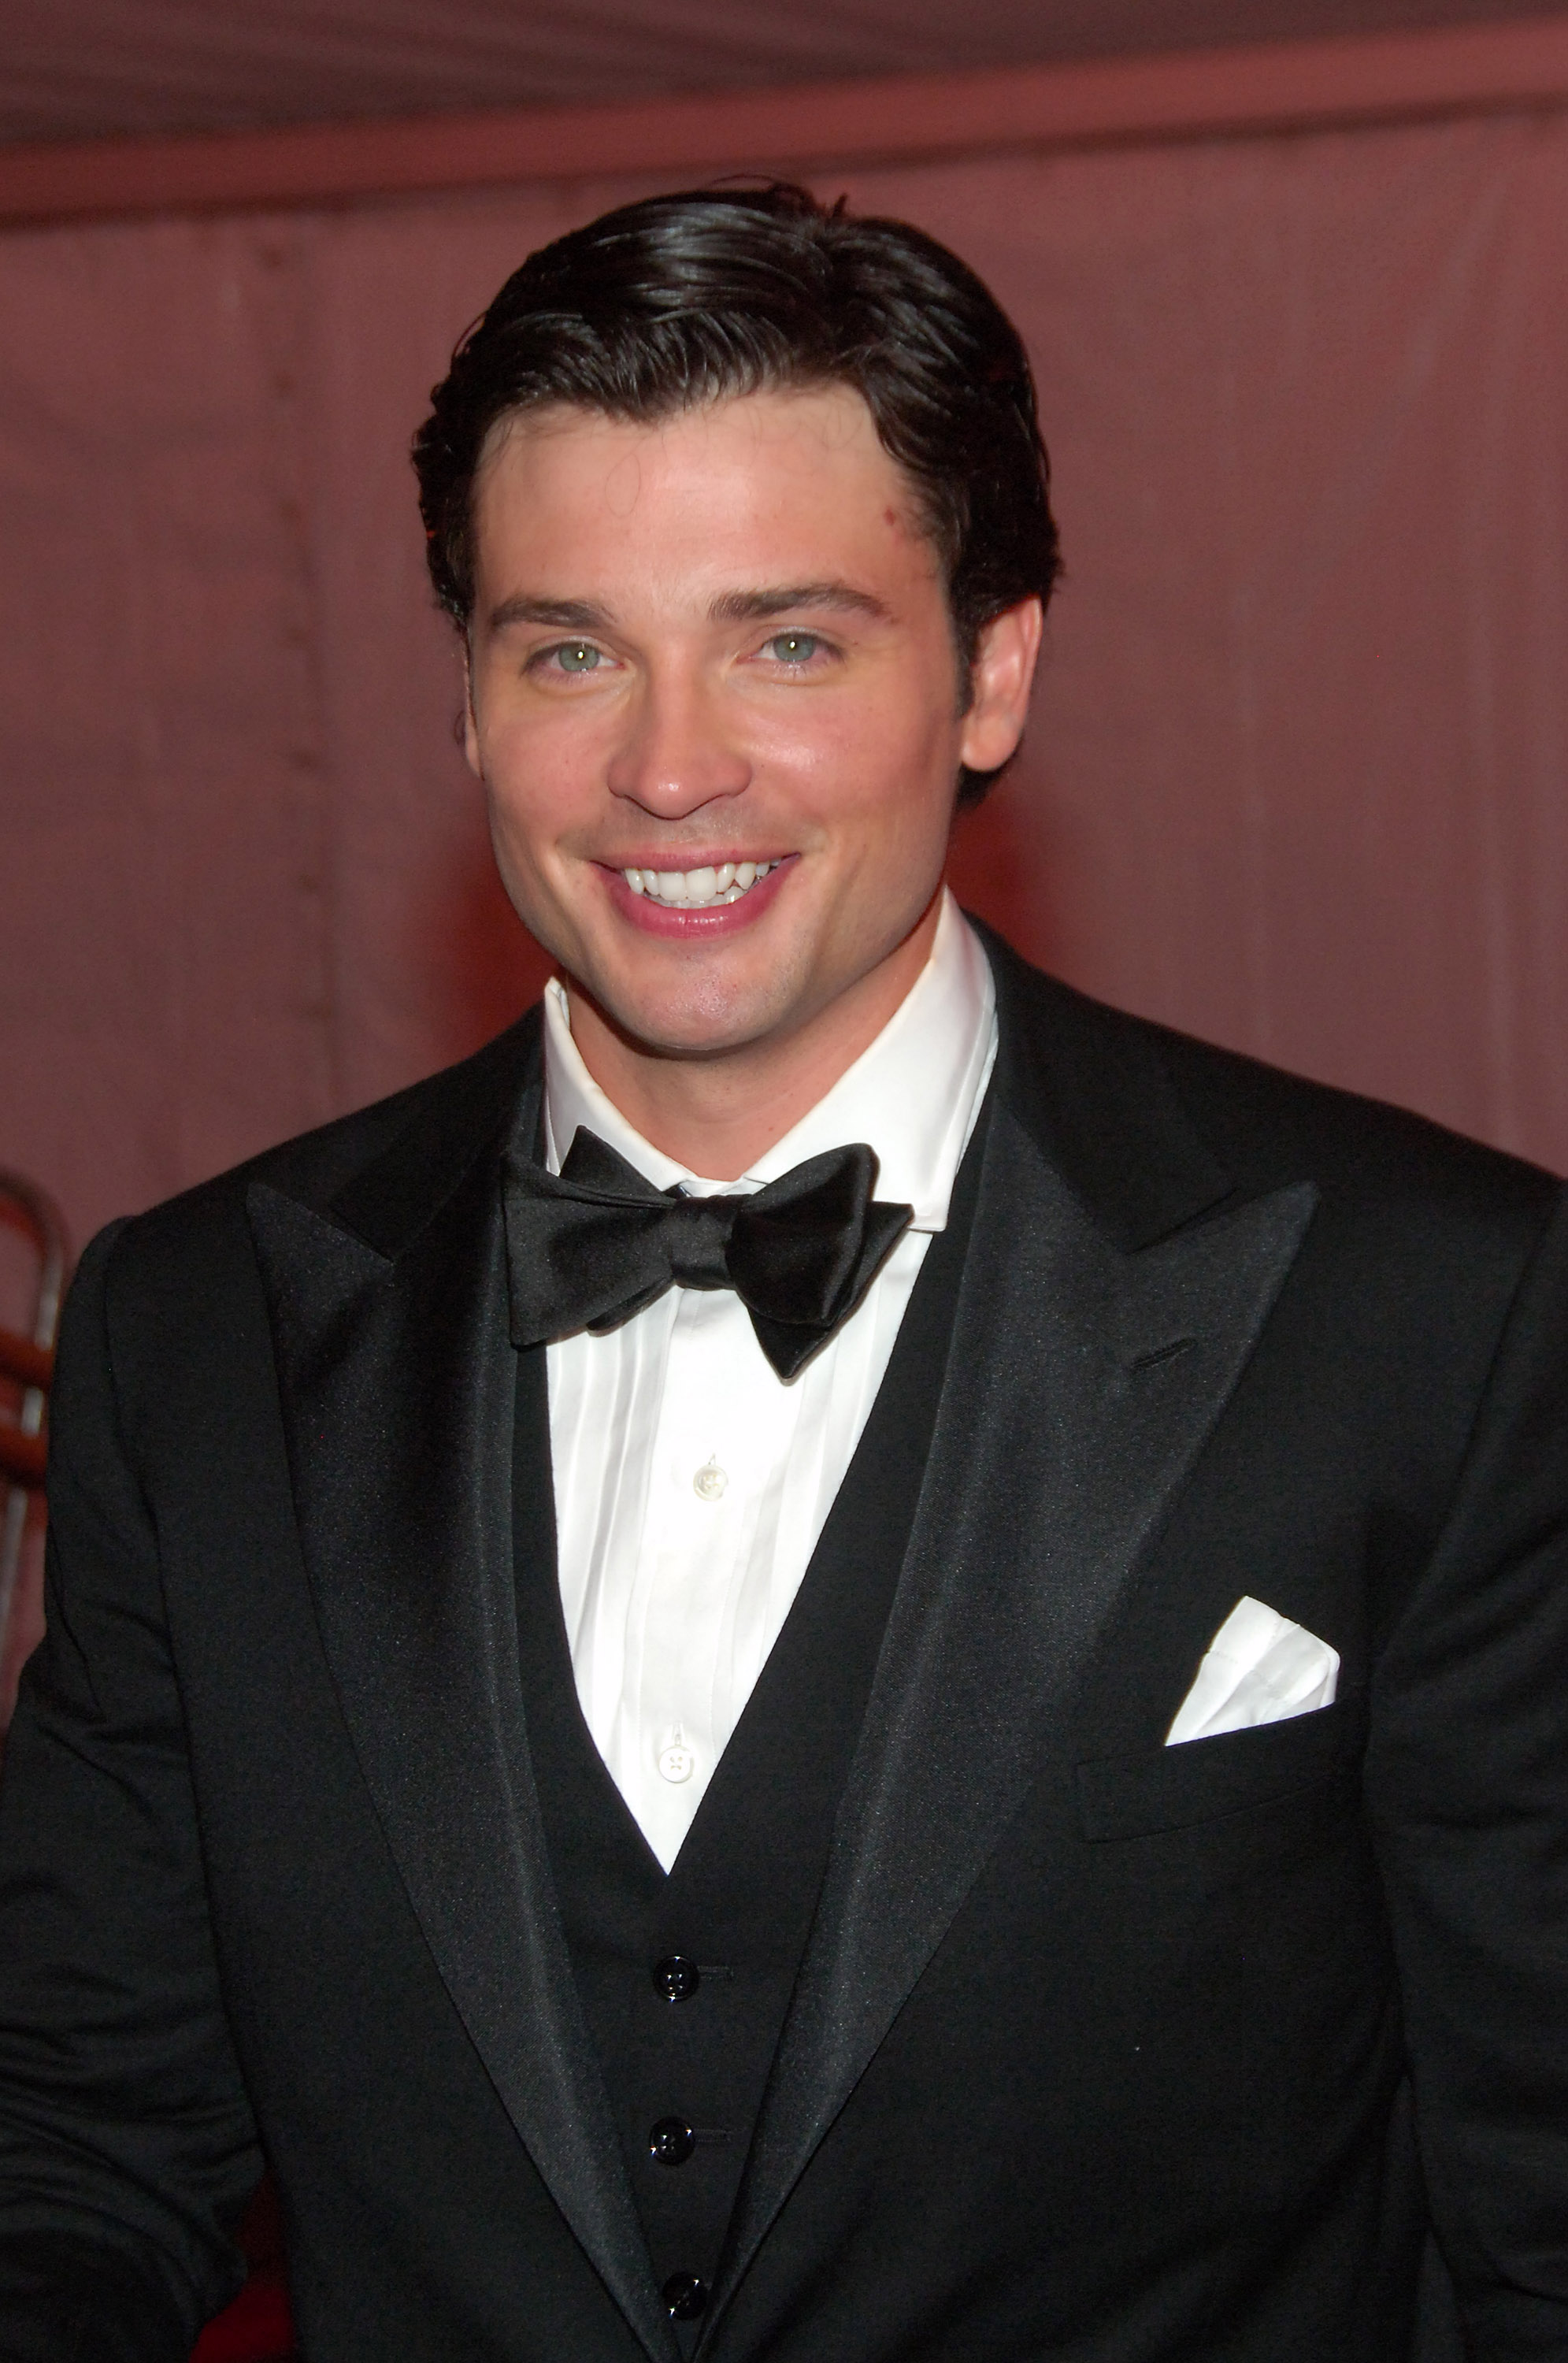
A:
691, 1482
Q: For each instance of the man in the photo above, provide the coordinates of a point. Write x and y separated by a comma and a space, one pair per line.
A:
838, 1656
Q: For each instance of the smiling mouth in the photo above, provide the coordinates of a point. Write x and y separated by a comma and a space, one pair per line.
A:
697, 889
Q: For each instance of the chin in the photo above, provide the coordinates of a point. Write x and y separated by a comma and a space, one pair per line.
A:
667, 1035
692, 1025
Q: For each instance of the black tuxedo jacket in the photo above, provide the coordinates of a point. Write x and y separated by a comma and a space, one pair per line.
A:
1251, 2050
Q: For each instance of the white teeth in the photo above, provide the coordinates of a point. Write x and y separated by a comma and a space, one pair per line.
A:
700, 889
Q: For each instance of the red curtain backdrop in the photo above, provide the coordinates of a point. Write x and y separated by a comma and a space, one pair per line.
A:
1296, 775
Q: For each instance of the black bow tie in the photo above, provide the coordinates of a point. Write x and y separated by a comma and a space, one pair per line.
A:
593, 1245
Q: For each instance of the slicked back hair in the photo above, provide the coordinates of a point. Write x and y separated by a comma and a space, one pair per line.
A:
682, 300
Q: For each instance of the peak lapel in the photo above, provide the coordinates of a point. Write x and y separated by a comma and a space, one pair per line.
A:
1065, 1427
398, 1380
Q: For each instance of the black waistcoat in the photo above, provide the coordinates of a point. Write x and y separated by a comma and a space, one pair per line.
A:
736, 1908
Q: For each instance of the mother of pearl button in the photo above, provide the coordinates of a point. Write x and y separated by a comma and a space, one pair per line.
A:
709, 1482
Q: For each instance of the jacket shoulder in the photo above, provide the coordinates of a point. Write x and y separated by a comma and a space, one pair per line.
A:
1263, 1126
440, 1122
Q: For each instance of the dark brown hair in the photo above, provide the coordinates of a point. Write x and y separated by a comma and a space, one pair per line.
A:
685, 299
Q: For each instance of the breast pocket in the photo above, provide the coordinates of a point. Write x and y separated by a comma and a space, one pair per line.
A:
1234, 1773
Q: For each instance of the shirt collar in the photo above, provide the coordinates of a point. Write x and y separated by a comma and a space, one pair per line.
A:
914, 1092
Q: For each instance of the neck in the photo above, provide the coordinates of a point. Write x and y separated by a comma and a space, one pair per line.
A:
717, 1114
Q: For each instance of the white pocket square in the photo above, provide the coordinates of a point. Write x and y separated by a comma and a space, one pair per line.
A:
1260, 1668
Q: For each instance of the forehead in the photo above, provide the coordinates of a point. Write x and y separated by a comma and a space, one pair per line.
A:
784, 474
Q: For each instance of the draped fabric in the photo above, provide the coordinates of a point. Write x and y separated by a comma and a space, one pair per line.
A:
91, 69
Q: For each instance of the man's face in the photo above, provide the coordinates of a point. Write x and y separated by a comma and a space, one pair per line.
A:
715, 701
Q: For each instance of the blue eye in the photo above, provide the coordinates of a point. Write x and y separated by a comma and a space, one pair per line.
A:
577, 656
794, 647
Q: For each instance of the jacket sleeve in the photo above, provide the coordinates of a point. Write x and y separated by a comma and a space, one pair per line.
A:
1467, 1788
127, 2151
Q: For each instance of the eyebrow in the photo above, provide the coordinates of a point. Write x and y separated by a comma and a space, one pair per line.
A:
757, 607
565, 614
730, 607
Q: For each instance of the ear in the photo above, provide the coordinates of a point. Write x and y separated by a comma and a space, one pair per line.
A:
471, 719
1000, 682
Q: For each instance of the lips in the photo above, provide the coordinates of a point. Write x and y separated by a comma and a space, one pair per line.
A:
706, 889
641, 894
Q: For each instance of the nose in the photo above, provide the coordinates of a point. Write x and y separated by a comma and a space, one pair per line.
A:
677, 753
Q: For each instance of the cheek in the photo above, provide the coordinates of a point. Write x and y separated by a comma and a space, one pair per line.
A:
895, 788
525, 744
540, 779
847, 760
524, 836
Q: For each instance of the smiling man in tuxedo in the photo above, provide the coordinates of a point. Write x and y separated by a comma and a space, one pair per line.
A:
838, 1658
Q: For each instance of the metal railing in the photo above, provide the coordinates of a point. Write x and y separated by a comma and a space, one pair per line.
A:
28, 1360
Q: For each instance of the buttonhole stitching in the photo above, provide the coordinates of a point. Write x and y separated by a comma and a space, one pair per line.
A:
1161, 1354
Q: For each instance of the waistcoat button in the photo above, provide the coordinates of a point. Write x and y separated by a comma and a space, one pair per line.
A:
671, 2142
685, 2296
676, 1978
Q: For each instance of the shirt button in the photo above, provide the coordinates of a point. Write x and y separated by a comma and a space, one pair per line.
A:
676, 1978
685, 2297
677, 1762
709, 1481
672, 2141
